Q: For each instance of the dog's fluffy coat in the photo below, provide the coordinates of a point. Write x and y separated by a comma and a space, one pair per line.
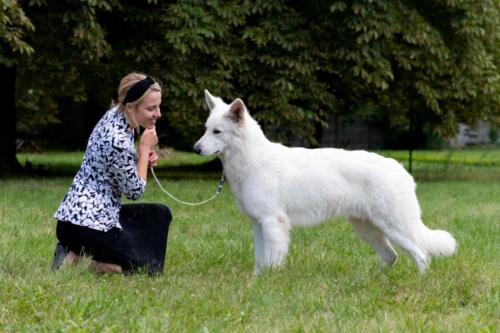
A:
279, 187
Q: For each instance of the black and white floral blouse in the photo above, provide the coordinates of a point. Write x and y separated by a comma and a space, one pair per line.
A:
109, 168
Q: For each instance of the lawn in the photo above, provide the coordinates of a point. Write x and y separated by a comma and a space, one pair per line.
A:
332, 281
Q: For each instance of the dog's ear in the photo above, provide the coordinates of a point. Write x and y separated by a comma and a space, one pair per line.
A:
237, 111
210, 100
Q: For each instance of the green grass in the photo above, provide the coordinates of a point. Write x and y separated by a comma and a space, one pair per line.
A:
331, 282
463, 164
475, 157
181, 165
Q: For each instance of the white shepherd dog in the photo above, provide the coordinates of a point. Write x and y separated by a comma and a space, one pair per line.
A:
279, 187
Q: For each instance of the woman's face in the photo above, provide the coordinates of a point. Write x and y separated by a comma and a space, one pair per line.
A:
148, 110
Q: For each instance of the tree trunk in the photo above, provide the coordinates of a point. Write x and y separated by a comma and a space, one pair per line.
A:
8, 160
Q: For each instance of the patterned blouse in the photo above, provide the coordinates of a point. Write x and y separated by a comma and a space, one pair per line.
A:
109, 168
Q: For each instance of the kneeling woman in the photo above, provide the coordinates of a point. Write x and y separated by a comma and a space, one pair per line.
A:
91, 219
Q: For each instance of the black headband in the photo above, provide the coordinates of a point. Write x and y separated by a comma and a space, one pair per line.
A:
138, 89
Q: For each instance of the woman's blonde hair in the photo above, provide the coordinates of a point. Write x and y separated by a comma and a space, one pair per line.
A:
125, 84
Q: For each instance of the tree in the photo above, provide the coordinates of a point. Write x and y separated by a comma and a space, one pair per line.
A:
433, 62
261, 51
70, 42
66, 37
429, 63
425, 64
13, 26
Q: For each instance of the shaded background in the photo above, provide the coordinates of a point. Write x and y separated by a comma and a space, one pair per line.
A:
357, 74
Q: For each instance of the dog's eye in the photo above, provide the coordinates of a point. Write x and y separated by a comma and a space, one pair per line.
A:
216, 131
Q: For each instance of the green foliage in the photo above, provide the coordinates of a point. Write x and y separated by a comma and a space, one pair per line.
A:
260, 51
436, 61
292, 62
14, 24
68, 41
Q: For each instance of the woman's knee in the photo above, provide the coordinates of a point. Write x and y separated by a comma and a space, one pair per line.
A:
152, 210
165, 211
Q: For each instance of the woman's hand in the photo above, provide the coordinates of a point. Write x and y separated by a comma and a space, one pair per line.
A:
148, 139
153, 159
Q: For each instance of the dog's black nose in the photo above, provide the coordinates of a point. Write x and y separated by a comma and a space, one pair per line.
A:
197, 150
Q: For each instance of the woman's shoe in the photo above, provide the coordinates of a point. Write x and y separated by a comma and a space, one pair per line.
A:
60, 254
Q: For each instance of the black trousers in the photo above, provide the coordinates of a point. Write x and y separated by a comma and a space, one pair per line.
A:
140, 246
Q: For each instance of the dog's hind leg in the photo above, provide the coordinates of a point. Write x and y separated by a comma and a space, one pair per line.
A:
400, 235
276, 237
373, 236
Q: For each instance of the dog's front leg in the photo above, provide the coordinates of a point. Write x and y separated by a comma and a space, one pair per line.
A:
258, 244
276, 237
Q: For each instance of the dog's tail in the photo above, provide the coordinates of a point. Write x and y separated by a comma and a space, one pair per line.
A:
437, 242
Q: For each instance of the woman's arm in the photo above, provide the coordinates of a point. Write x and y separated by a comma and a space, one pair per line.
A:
142, 162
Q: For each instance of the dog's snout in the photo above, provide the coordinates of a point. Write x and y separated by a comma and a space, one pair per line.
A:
197, 149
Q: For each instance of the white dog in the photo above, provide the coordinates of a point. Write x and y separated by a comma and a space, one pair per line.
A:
279, 187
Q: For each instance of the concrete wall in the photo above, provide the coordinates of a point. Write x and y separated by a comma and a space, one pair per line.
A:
473, 136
